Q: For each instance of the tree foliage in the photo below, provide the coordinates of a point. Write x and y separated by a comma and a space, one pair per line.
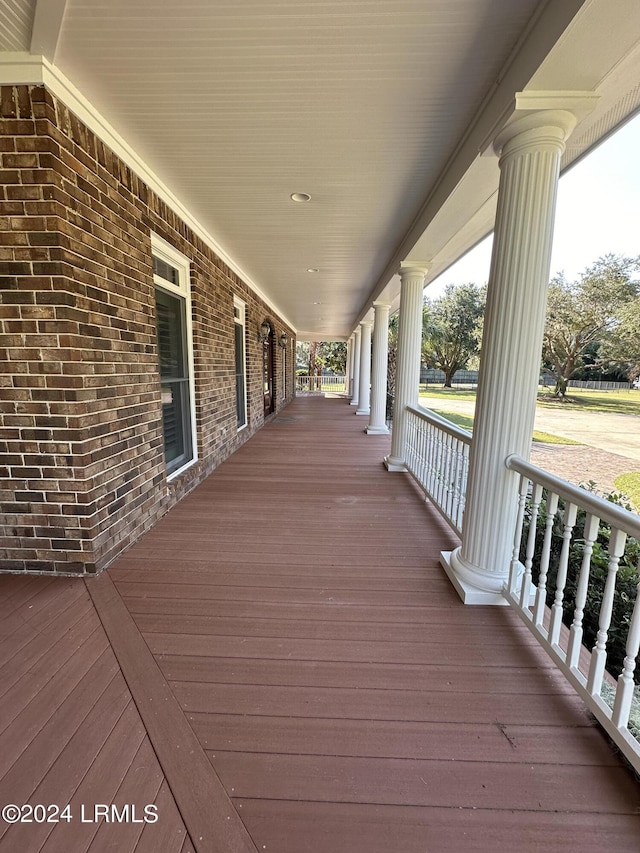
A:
584, 312
452, 328
392, 362
620, 348
318, 356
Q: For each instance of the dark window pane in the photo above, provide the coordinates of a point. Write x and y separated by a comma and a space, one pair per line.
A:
170, 335
172, 423
165, 271
240, 401
174, 377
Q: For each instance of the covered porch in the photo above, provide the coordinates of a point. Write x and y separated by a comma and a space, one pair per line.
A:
282, 664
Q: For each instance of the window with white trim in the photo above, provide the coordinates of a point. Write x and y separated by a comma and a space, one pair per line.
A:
175, 354
239, 322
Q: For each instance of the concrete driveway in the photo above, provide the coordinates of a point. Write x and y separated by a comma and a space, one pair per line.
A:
612, 432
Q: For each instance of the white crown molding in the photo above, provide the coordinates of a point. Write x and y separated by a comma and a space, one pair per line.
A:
25, 69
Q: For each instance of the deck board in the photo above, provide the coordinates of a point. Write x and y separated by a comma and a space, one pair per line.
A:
325, 663
290, 620
299, 827
454, 741
419, 782
69, 728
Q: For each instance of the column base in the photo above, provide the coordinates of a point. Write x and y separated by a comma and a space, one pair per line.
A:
377, 430
469, 592
353, 403
393, 464
366, 412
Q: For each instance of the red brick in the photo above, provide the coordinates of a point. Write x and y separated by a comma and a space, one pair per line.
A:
82, 219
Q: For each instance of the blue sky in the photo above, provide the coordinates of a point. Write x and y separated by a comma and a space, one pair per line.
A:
598, 212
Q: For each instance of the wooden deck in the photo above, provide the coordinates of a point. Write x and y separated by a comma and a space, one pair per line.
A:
281, 665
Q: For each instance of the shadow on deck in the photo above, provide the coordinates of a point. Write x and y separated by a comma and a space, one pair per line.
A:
281, 664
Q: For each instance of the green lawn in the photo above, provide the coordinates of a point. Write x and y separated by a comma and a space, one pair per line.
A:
625, 402
447, 393
629, 485
466, 422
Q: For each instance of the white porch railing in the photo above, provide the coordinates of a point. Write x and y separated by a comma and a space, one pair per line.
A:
600, 533
437, 456
320, 384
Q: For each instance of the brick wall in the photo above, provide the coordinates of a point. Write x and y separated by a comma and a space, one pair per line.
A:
81, 446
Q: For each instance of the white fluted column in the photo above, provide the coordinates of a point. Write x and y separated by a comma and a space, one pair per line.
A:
364, 396
347, 367
408, 359
530, 149
379, 357
356, 367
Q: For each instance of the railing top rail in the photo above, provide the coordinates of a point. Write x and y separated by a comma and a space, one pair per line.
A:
440, 421
606, 511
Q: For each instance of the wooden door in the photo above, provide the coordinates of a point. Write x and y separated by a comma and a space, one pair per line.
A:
267, 370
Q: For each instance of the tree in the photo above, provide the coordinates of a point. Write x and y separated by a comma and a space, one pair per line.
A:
320, 355
333, 355
315, 365
451, 328
582, 313
620, 348
392, 363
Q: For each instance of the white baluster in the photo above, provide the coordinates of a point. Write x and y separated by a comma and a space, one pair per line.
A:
617, 541
410, 457
514, 570
455, 503
569, 520
591, 526
624, 693
463, 484
425, 454
447, 477
430, 458
441, 456
525, 592
541, 594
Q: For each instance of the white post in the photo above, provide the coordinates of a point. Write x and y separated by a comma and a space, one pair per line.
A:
364, 395
356, 368
377, 421
408, 361
347, 367
530, 148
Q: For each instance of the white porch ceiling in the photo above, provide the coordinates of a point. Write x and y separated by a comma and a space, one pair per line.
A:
376, 108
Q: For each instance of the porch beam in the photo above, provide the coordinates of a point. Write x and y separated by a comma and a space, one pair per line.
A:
530, 148
47, 26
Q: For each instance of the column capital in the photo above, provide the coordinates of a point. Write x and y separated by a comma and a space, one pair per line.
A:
541, 117
366, 322
381, 304
411, 268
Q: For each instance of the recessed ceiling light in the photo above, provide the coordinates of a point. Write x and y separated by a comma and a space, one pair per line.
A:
317, 303
313, 269
300, 197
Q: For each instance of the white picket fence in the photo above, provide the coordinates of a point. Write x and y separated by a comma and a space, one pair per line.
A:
437, 456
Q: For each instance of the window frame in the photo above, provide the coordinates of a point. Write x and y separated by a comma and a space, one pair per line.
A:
164, 251
240, 319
